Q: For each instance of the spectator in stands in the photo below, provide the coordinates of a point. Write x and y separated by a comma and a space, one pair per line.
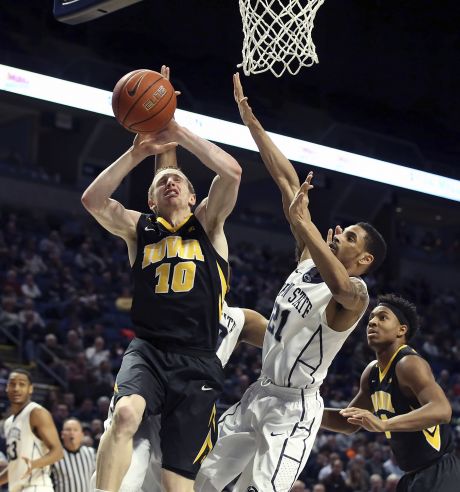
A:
327, 469
335, 481
391, 467
33, 263
357, 477
299, 486
376, 483
319, 487
103, 403
430, 349
87, 261
11, 283
74, 345
8, 314
60, 414
52, 355
29, 288
374, 465
97, 353
86, 412
391, 483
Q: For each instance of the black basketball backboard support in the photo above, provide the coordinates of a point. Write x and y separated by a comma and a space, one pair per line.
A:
78, 11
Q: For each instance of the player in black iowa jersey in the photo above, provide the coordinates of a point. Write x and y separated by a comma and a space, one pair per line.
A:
399, 396
179, 263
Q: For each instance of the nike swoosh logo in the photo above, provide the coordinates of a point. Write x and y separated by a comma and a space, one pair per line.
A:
276, 434
149, 229
206, 388
132, 92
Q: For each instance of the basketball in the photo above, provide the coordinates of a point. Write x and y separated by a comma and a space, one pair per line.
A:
143, 101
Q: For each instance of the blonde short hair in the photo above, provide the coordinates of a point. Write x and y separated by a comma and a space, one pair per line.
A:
191, 189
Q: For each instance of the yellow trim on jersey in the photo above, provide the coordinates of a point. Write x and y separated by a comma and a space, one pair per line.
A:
224, 289
384, 373
433, 437
207, 445
170, 227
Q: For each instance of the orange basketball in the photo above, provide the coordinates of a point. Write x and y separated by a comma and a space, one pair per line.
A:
143, 101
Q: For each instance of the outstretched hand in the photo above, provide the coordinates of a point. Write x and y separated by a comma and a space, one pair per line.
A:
298, 210
364, 418
245, 110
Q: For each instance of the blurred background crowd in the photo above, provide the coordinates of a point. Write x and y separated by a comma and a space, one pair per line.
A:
64, 314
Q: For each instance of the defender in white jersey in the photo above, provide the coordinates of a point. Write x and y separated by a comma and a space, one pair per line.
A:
31, 439
267, 437
236, 325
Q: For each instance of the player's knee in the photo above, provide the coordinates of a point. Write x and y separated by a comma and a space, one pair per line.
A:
126, 420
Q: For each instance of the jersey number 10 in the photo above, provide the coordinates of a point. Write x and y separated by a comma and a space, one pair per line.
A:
183, 277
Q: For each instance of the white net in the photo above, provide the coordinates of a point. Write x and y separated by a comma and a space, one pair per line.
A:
277, 35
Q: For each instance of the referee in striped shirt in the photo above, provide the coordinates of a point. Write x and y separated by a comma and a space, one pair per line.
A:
73, 472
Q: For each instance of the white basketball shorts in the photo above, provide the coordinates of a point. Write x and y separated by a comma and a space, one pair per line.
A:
267, 437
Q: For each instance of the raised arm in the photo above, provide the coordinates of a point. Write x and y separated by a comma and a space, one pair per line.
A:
110, 213
224, 188
279, 167
333, 419
415, 379
168, 158
350, 293
255, 326
43, 427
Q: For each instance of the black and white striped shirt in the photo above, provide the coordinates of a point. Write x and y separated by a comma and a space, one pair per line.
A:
73, 473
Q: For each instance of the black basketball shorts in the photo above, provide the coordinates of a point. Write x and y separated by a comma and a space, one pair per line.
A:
181, 388
441, 476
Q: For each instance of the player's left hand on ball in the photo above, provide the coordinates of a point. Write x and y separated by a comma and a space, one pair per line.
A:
153, 143
364, 418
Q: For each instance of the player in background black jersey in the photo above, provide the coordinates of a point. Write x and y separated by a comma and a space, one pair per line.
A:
399, 396
179, 263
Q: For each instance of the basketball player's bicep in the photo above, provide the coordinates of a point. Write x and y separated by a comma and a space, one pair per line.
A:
415, 374
116, 219
221, 200
354, 296
44, 428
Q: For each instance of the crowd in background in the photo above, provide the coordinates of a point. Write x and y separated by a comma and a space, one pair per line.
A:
66, 295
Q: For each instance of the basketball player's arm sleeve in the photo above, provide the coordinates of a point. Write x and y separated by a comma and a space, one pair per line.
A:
42, 424
415, 374
255, 326
332, 420
224, 188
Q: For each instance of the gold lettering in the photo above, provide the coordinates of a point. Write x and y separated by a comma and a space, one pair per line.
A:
382, 401
172, 247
